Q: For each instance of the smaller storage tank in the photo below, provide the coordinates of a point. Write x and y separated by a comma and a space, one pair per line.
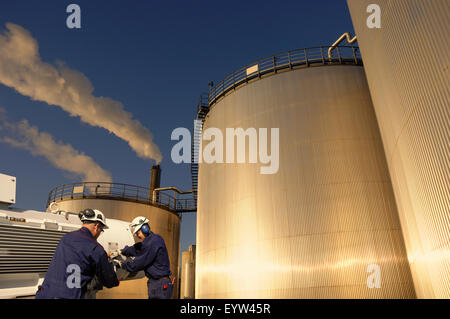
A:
187, 290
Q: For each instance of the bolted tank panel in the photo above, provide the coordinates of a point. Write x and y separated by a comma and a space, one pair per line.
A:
407, 65
162, 222
326, 221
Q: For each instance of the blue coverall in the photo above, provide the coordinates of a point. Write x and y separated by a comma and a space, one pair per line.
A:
152, 257
76, 248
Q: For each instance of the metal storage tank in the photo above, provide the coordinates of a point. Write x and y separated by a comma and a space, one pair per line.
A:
407, 65
125, 202
187, 289
320, 225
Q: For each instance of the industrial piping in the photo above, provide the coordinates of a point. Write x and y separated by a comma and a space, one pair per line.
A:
174, 188
347, 35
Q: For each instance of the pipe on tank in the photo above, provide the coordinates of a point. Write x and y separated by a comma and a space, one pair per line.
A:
174, 188
54, 209
347, 35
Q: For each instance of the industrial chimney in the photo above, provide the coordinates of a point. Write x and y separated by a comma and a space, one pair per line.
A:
155, 179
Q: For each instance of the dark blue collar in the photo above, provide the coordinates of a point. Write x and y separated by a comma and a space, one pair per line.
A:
85, 231
148, 237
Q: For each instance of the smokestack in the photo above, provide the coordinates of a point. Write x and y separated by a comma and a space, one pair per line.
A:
155, 179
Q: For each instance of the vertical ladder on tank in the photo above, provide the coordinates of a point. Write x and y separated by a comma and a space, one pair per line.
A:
202, 111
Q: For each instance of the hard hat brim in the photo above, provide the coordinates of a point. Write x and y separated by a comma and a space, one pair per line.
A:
136, 229
95, 220
104, 225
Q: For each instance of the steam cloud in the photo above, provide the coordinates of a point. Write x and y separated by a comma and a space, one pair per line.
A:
63, 156
21, 68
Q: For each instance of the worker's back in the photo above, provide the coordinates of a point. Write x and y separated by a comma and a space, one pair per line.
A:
77, 259
151, 256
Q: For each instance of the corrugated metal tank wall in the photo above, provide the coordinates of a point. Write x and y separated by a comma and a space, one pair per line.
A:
187, 290
312, 229
407, 65
162, 222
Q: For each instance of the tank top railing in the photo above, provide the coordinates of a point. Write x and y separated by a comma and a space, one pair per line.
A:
285, 61
125, 192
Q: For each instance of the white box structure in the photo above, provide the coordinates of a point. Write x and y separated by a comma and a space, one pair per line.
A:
252, 69
7, 189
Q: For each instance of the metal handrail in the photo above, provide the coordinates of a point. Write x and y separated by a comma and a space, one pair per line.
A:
288, 60
117, 191
350, 40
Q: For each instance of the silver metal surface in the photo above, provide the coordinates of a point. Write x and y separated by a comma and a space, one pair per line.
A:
187, 288
26, 250
313, 229
162, 222
407, 65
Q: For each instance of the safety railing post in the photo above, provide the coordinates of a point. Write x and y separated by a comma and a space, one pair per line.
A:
174, 200
289, 59
259, 69
49, 199
306, 57
209, 93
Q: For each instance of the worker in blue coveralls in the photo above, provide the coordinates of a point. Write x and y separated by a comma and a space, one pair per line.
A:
77, 259
151, 256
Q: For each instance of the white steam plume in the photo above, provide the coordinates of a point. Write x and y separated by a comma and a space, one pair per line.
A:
63, 156
21, 68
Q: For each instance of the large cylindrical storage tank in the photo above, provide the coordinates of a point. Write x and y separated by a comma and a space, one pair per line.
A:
162, 222
407, 65
326, 224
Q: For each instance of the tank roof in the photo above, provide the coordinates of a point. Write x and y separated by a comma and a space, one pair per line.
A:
122, 192
281, 62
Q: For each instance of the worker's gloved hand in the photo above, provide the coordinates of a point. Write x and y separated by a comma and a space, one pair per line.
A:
118, 263
118, 260
131, 250
114, 254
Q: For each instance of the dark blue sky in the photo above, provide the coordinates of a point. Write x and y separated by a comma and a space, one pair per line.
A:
155, 57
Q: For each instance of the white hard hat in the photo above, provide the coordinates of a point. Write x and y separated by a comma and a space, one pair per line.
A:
137, 223
93, 215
